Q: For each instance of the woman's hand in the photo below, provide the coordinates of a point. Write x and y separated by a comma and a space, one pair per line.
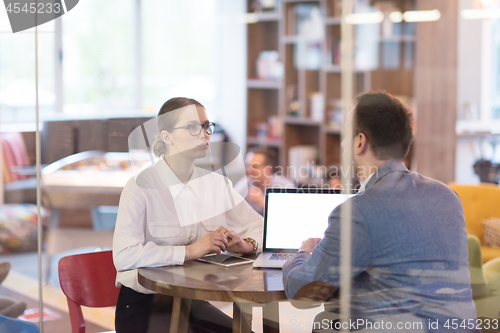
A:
235, 243
211, 242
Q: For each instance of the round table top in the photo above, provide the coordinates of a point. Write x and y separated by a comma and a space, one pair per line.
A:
204, 281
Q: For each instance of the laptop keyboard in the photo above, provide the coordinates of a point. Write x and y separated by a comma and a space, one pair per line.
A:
280, 256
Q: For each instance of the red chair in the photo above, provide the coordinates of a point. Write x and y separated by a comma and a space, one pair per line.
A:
87, 279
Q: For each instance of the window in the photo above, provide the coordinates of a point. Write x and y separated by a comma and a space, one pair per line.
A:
178, 47
98, 57
100, 71
17, 72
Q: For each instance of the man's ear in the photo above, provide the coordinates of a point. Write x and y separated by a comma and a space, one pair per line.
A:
360, 144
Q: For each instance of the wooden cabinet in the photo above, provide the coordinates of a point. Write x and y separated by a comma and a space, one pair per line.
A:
294, 74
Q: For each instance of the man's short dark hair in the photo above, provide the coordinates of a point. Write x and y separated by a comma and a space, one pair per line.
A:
386, 122
268, 153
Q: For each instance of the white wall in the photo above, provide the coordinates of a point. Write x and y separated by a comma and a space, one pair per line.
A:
230, 64
470, 90
468, 151
469, 59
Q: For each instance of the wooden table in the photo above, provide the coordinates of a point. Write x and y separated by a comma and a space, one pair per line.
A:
85, 185
242, 285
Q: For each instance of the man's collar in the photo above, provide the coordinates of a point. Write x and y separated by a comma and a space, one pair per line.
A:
365, 182
384, 169
174, 184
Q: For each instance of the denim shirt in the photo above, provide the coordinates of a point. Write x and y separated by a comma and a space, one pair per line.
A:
409, 250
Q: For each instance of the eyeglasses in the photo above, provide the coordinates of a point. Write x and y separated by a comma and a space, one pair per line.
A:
195, 129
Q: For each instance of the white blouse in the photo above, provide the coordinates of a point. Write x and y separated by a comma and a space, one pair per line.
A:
158, 215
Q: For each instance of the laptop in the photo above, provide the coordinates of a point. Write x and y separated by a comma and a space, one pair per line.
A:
291, 216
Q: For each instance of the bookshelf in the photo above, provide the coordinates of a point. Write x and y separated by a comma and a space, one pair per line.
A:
294, 73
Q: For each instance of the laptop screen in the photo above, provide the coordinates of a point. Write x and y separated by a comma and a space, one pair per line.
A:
294, 215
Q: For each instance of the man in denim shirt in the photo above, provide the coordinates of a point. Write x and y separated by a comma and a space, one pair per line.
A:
409, 244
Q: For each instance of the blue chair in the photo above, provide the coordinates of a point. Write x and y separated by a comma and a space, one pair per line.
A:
11, 325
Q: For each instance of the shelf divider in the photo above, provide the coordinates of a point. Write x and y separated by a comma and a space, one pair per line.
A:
300, 121
264, 84
271, 142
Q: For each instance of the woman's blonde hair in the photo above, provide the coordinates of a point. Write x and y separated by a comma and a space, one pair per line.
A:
169, 120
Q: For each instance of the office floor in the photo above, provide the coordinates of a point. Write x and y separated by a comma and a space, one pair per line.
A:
22, 284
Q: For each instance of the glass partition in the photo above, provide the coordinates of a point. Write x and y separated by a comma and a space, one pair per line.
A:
413, 264
395, 103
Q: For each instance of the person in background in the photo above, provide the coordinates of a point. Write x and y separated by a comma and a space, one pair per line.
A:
335, 183
409, 257
260, 166
333, 178
9, 307
173, 212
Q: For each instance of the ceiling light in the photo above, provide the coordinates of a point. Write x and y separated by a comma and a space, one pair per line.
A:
396, 17
480, 14
364, 18
422, 15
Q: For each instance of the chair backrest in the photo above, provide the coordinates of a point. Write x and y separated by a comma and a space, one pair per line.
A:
479, 202
14, 154
475, 257
475, 261
492, 272
87, 279
11, 325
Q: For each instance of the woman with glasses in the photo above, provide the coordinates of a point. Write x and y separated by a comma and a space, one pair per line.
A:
173, 212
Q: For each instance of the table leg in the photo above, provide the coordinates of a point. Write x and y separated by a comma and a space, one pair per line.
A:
180, 315
54, 215
242, 318
271, 317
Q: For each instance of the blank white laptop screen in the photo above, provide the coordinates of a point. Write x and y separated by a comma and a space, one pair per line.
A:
294, 217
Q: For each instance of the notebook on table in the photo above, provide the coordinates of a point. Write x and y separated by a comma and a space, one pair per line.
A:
290, 217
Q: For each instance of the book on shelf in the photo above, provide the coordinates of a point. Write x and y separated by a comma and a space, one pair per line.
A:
265, 5
270, 130
335, 50
337, 8
366, 48
335, 114
317, 106
268, 66
309, 29
308, 56
301, 160
275, 126
308, 21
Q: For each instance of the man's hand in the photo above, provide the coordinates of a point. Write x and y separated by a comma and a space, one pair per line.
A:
235, 243
211, 242
309, 244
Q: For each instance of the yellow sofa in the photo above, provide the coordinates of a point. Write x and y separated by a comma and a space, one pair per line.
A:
480, 202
